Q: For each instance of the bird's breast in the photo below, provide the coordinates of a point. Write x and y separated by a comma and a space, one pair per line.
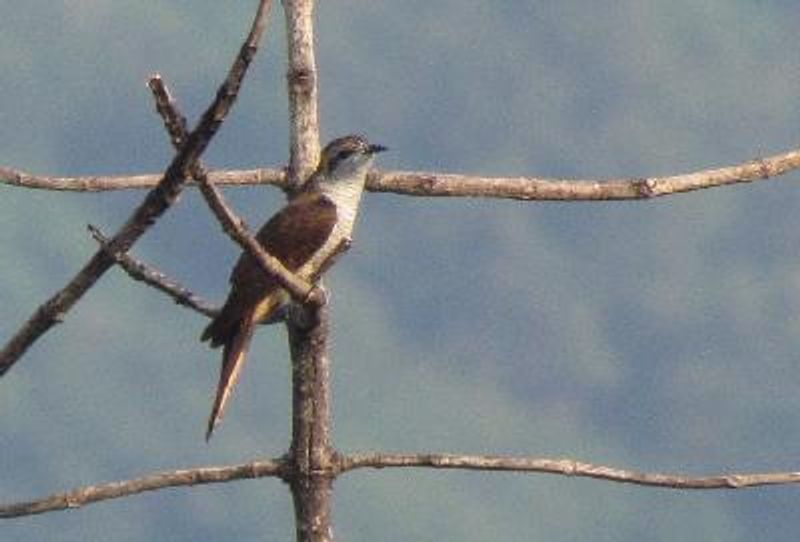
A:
347, 199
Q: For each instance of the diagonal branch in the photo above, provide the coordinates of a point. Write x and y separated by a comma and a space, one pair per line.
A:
142, 272
82, 496
436, 184
567, 467
154, 205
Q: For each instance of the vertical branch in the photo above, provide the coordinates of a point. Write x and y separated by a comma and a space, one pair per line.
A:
311, 453
308, 344
302, 86
312, 505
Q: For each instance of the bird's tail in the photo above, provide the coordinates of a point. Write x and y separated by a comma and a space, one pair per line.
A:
234, 355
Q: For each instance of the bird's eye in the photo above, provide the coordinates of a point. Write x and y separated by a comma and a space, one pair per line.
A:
344, 154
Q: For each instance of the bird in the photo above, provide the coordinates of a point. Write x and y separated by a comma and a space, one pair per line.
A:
305, 235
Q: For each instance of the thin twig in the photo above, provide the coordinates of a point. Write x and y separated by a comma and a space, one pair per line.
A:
189, 477
566, 467
143, 272
424, 183
154, 205
140, 271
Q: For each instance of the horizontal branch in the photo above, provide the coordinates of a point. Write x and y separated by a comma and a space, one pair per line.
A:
422, 183
94, 183
528, 188
343, 463
188, 477
566, 467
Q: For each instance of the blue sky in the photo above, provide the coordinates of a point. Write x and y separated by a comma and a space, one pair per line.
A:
655, 335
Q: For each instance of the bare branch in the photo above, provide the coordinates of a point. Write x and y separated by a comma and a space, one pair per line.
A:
311, 390
525, 188
423, 183
82, 496
311, 453
174, 122
142, 272
151, 276
279, 467
229, 90
566, 467
235, 177
303, 91
154, 205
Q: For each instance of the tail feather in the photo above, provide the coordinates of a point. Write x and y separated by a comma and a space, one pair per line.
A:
233, 330
234, 355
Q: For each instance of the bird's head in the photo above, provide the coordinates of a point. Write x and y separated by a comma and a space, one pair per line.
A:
347, 157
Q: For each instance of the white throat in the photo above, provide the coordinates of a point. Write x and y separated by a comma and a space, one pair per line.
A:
346, 194
345, 190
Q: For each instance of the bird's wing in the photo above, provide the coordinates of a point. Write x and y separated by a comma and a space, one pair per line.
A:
300, 229
293, 235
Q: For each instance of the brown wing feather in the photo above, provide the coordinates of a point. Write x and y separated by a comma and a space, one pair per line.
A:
292, 235
300, 229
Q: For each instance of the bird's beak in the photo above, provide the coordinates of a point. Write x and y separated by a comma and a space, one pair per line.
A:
375, 149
